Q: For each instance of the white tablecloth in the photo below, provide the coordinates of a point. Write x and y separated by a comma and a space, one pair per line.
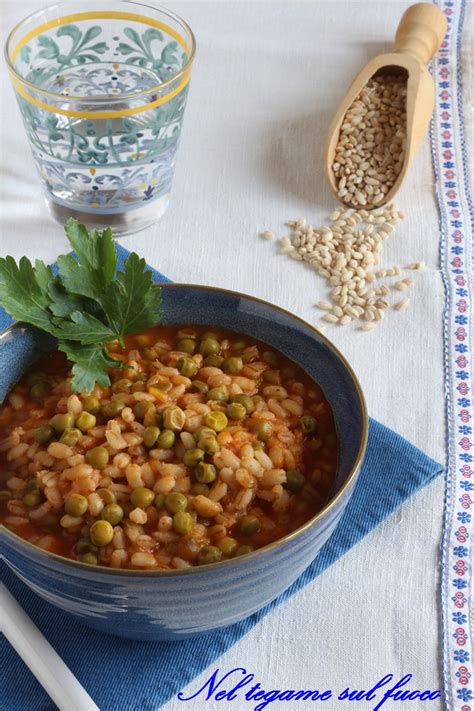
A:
267, 77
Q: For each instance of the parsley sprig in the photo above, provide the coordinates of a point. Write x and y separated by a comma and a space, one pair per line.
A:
85, 306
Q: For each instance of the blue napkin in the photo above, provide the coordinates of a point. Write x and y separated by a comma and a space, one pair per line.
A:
152, 673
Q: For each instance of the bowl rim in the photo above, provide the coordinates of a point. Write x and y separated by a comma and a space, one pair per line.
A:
130, 572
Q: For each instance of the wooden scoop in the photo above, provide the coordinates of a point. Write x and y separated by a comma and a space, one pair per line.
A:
419, 35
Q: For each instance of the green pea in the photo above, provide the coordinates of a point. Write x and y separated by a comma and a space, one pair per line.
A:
209, 346
193, 456
5, 495
183, 523
107, 496
295, 480
199, 488
122, 386
228, 546
289, 373
85, 421
166, 439
101, 533
210, 334
75, 505
272, 376
248, 525
187, 367
270, 358
198, 386
236, 411
256, 399
142, 407
89, 558
98, 457
32, 498
71, 436
246, 401
203, 432
112, 409
308, 424
31, 485
113, 513
150, 435
39, 390
209, 554
175, 502
142, 340
62, 422
217, 420
213, 361
173, 418
205, 473
219, 394
142, 497
91, 404
238, 345
262, 429
232, 365
84, 545
186, 345
209, 444
149, 353
44, 434
159, 501
243, 550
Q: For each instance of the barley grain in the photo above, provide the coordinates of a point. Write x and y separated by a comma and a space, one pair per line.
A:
402, 305
324, 305
416, 265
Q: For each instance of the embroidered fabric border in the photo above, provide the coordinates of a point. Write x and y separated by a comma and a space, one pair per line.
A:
455, 209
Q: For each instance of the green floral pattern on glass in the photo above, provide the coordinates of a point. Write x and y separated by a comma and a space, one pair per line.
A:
68, 46
107, 164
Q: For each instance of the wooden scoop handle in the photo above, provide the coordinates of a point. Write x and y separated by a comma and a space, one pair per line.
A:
421, 31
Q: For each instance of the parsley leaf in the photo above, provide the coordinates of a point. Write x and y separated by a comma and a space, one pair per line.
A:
84, 328
90, 365
21, 294
86, 305
93, 268
44, 275
94, 249
130, 303
63, 303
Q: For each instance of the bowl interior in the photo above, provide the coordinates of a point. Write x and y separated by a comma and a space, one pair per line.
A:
187, 304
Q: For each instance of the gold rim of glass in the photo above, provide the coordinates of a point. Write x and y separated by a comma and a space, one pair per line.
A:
101, 98
271, 546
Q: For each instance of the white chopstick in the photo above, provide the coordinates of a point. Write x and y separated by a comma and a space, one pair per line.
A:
37, 653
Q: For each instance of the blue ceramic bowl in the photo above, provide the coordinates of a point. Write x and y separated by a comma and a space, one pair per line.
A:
172, 605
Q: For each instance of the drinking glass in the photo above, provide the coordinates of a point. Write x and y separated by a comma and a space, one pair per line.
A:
102, 89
